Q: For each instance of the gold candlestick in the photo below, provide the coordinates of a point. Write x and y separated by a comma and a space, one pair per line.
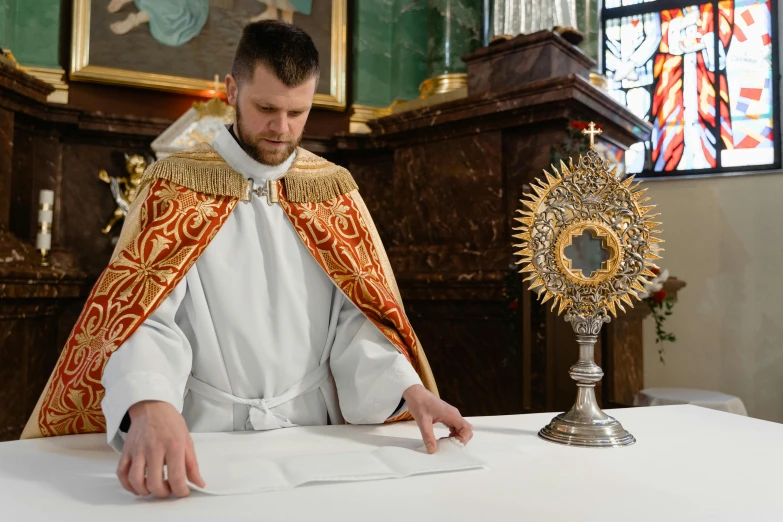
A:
44, 257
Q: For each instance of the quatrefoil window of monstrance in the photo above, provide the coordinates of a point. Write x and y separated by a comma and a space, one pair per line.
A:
587, 253
587, 240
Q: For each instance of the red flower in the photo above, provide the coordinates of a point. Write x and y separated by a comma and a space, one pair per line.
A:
513, 305
582, 125
655, 271
659, 296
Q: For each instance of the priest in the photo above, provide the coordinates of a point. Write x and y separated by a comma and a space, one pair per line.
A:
249, 290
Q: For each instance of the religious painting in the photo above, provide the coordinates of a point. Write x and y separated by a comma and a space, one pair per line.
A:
188, 45
704, 75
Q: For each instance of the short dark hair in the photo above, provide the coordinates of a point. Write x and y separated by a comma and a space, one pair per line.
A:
287, 50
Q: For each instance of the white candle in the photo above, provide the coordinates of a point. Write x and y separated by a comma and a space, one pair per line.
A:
43, 241
46, 197
45, 216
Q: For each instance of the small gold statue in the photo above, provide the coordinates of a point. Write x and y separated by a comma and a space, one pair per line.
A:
124, 189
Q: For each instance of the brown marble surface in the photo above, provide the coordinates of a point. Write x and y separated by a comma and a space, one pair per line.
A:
524, 59
6, 163
23, 276
624, 360
28, 353
624, 350
468, 345
19, 87
460, 207
32, 298
374, 174
535, 103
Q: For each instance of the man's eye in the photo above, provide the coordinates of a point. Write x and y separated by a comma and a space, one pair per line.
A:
266, 109
294, 114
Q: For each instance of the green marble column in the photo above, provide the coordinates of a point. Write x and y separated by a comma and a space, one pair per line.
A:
588, 22
372, 42
454, 31
31, 30
390, 51
7, 16
409, 48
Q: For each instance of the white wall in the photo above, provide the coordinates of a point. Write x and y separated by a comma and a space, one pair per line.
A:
724, 237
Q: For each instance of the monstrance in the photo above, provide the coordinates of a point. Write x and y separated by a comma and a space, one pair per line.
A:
588, 242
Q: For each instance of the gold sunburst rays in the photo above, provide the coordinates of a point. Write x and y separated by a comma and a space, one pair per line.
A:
589, 196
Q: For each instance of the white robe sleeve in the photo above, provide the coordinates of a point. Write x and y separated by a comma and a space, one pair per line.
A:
370, 373
153, 364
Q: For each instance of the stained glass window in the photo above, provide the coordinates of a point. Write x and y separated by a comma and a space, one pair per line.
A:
703, 74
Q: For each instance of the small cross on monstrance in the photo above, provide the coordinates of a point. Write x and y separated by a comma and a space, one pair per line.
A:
592, 131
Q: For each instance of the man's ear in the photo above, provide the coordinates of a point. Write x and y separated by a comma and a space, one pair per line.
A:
232, 90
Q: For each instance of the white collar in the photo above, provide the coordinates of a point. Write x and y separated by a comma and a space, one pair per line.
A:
239, 160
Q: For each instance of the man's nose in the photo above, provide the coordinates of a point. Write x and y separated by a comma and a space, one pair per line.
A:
279, 123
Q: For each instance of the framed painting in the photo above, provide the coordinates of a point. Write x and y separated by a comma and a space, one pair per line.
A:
188, 45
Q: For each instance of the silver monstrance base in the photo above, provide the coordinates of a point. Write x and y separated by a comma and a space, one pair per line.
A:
585, 424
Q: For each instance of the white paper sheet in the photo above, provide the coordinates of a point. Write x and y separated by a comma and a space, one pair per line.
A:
237, 475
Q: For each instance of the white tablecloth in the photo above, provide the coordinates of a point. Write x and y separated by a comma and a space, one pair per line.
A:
706, 399
689, 464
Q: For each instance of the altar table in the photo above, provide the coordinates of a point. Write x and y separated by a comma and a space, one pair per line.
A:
689, 463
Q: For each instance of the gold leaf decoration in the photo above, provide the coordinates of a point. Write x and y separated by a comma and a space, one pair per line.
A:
587, 196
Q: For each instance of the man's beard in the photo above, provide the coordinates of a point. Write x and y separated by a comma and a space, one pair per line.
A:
251, 144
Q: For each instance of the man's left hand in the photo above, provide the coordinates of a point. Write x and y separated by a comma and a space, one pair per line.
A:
427, 409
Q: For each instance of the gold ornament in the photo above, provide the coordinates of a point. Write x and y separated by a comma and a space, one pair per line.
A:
215, 108
587, 197
125, 188
585, 205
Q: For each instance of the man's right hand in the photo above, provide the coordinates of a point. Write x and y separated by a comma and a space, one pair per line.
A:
158, 435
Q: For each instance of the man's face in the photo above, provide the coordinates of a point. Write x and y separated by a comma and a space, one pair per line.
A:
270, 116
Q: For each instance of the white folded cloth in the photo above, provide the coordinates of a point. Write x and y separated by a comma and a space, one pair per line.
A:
234, 475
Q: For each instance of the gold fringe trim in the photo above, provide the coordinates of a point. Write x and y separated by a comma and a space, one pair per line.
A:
201, 169
331, 184
311, 178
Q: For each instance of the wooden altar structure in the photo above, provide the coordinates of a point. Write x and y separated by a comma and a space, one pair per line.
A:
60, 148
443, 183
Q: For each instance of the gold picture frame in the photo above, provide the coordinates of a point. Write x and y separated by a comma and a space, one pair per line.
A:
82, 70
